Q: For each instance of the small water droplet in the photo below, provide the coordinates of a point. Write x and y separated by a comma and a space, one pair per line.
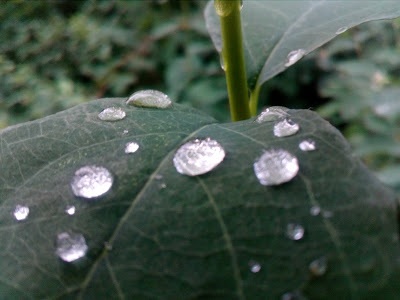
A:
91, 182
126, 131
315, 210
341, 30
255, 267
286, 128
294, 231
241, 4
198, 157
131, 147
272, 113
307, 145
71, 246
275, 167
163, 185
293, 296
70, 210
158, 176
112, 114
294, 56
108, 246
327, 214
21, 212
319, 266
221, 61
149, 98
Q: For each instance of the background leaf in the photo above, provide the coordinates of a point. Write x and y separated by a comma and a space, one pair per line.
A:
272, 29
190, 236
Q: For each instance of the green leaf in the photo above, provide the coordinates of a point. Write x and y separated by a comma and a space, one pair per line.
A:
272, 29
180, 237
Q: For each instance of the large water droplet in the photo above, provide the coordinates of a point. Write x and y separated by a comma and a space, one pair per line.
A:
131, 147
71, 246
272, 113
319, 266
307, 145
198, 157
21, 212
275, 167
112, 114
255, 267
294, 231
341, 30
149, 98
315, 210
70, 210
286, 128
91, 182
294, 56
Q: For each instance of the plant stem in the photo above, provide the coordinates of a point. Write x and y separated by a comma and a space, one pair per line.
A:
254, 100
233, 58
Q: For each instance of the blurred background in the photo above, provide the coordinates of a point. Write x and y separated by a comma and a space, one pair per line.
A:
57, 54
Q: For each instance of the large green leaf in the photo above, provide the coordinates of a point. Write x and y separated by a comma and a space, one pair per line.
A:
272, 29
179, 237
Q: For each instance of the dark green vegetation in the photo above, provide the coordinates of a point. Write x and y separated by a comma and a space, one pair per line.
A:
161, 235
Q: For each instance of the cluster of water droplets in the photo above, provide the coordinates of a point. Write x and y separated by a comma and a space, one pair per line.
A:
112, 114
198, 156
71, 246
149, 98
91, 182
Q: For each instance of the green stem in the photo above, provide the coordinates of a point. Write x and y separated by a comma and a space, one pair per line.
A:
233, 57
254, 100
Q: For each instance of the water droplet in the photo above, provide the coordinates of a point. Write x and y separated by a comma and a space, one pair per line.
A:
149, 98
221, 61
275, 167
341, 30
272, 113
286, 128
108, 246
319, 266
315, 210
241, 4
295, 231
223, 7
294, 56
21, 212
91, 182
112, 114
255, 267
163, 185
293, 296
70, 210
307, 145
158, 176
198, 157
131, 147
125, 131
71, 246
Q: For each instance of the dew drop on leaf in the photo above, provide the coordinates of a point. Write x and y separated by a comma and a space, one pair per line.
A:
126, 131
315, 210
149, 98
272, 113
112, 114
319, 266
21, 212
131, 147
198, 157
294, 56
294, 231
286, 128
91, 182
70, 246
307, 145
255, 267
275, 167
70, 210
341, 30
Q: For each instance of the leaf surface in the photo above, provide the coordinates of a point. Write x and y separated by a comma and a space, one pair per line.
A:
273, 29
158, 234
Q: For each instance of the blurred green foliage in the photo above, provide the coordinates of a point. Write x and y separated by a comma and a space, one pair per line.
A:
56, 54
